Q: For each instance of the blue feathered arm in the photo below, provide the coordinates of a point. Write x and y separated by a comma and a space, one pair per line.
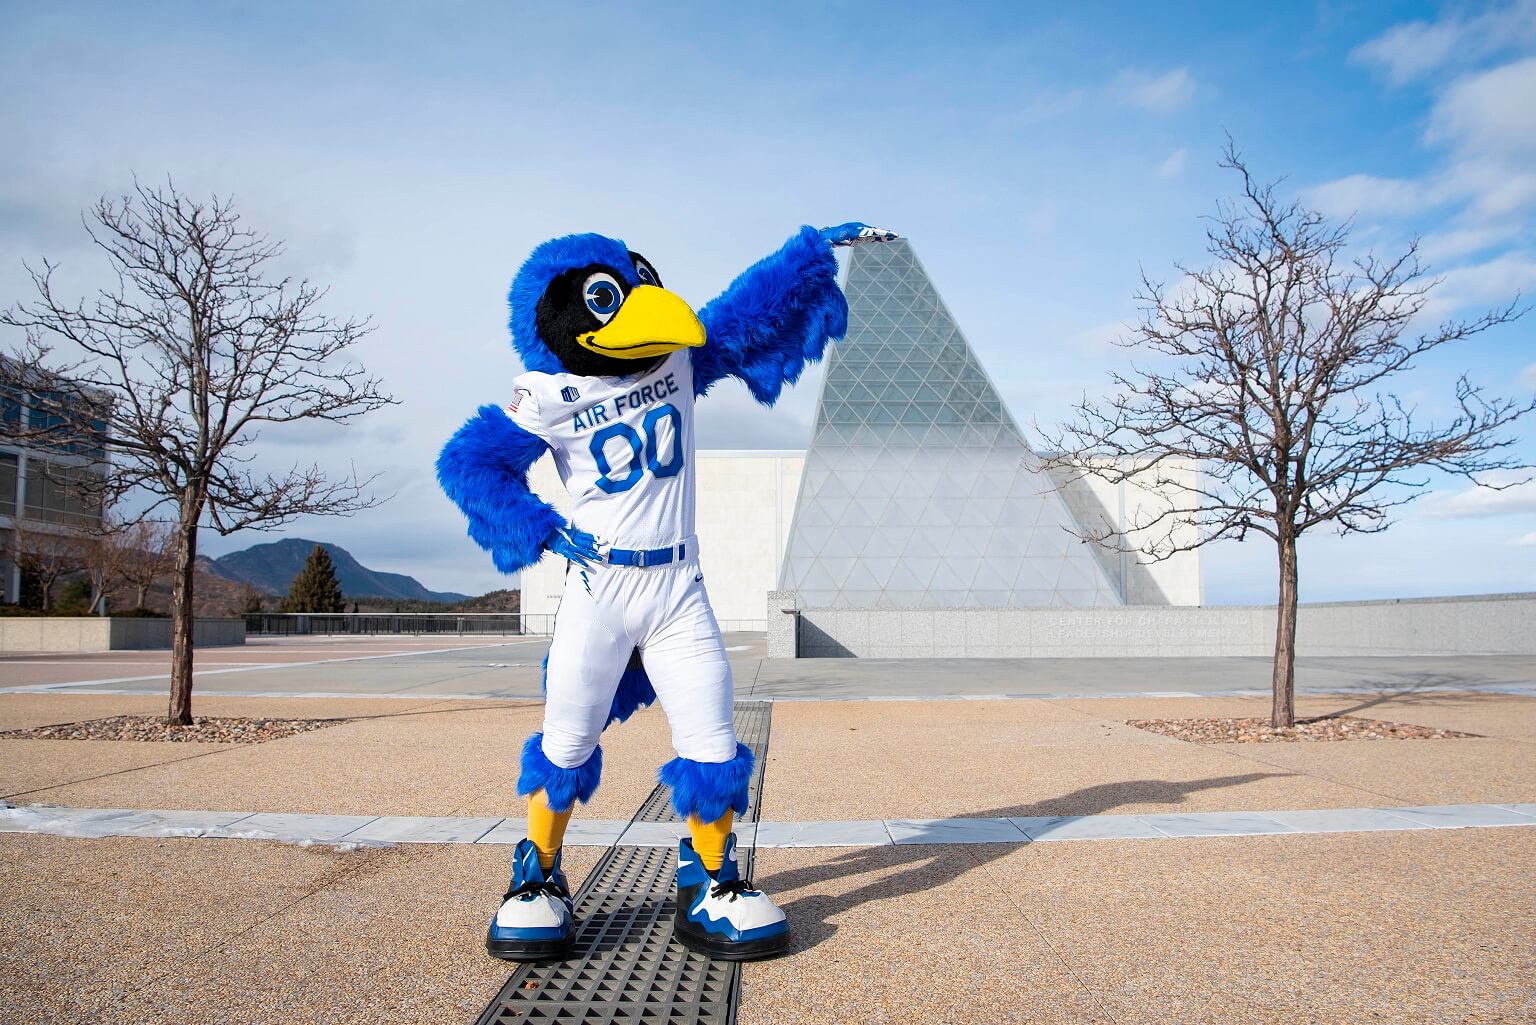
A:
484, 469
778, 314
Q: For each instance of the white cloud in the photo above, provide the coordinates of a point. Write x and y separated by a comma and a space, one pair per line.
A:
1369, 196
1527, 378
1156, 94
1482, 120
1174, 165
1511, 492
1525, 540
1440, 246
1413, 50
1488, 123
1489, 110
1483, 124
1492, 283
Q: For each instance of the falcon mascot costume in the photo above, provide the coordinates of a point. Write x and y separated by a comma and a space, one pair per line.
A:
614, 364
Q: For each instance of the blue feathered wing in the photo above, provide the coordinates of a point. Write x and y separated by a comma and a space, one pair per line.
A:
484, 469
774, 318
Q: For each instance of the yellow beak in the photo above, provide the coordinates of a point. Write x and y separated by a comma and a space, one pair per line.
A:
651, 321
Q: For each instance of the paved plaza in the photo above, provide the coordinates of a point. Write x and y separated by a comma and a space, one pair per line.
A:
508, 667
1022, 855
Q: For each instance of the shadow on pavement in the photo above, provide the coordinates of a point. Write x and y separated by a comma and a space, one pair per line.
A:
925, 866
1416, 689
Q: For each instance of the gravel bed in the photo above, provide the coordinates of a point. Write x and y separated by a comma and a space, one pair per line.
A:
204, 729
1259, 731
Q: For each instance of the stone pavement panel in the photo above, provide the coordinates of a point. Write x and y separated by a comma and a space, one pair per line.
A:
908, 934
1001, 759
88, 921
1470, 771
24, 711
429, 760
281, 934
1357, 927
1489, 715
35, 770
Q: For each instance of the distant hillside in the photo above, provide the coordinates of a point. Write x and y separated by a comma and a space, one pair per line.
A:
271, 568
495, 601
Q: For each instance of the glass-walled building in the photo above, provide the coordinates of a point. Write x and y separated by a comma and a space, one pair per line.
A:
919, 489
47, 486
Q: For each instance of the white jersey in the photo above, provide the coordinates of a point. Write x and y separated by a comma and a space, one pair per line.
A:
623, 446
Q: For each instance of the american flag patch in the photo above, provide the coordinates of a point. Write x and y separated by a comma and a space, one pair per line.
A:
517, 397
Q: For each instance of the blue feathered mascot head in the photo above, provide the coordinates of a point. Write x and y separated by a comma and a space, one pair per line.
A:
588, 305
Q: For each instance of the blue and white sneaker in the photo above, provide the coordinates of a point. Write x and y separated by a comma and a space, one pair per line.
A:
856, 233
536, 921
722, 915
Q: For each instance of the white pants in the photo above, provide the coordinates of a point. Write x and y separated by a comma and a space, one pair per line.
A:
606, 613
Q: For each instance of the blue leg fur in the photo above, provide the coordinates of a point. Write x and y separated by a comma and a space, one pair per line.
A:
635, 691
707, 789
562, 787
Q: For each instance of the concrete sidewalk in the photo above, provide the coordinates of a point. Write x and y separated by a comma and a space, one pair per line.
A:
1433, 925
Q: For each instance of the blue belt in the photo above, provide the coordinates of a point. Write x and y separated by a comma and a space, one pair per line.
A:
644, 558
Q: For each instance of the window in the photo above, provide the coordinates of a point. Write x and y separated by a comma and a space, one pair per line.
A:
61, 494
10, 412
76, 426
7, 484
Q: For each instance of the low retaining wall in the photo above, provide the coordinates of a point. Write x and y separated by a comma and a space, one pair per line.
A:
1480, 624
105, 633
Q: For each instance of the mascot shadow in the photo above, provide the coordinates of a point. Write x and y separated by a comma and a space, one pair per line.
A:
922, 867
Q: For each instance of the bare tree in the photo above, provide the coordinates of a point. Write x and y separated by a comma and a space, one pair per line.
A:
151, 554
1274, 362
107, 550
46, 556
196, 347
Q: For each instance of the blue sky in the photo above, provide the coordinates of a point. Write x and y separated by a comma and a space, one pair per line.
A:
1037, 155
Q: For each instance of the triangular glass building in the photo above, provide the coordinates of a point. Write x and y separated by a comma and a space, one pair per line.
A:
919, 490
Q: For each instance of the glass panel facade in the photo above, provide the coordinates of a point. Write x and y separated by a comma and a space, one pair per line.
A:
8, 474
62, 494
919, 491
10, 412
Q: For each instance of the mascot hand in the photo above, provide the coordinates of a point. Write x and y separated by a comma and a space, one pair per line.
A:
855, 232
575, 545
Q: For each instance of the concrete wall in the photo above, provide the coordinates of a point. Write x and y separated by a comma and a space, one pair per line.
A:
744, 504
97, 633
1482, 624
1120, 506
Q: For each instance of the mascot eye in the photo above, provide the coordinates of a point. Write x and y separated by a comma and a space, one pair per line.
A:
647, 273
604, 295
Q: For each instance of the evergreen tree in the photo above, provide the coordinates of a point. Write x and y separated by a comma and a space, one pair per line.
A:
316, 588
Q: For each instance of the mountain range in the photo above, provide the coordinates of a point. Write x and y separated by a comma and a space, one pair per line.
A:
271, 567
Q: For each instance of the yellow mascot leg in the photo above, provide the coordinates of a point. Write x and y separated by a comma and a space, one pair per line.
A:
709, 839
546, 828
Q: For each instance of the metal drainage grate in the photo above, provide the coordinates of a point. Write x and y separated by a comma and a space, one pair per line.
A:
753, 720
626, 967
